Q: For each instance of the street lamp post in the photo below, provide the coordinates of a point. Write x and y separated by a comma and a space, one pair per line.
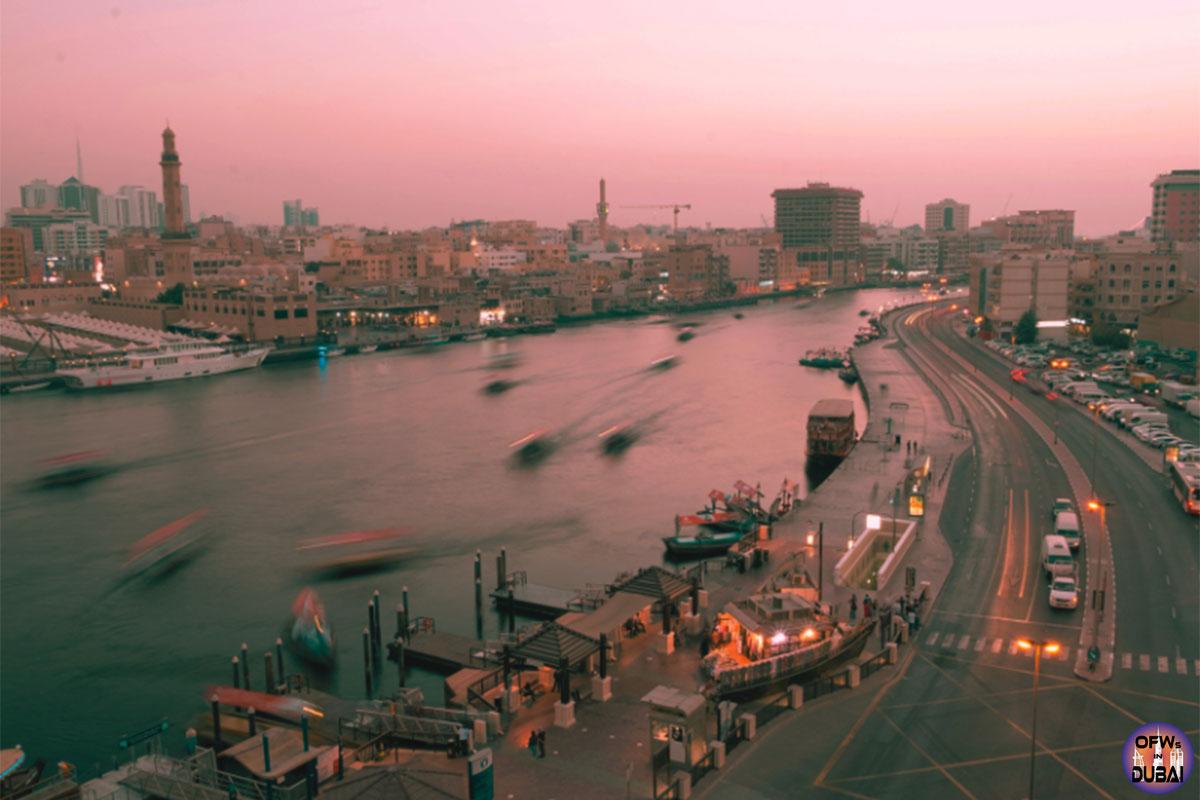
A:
1095, 425
1038, 645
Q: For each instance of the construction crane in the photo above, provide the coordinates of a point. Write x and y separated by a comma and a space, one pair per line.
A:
673, 206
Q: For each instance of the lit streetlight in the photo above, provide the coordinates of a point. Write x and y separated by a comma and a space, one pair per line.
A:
1038, 646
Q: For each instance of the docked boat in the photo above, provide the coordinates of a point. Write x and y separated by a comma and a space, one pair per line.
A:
618, 438
17, 776
368, 348
167, 362
542, 326
825, 358
862, 312
309, 632
737, 315
359, 552
530, 449
476, 336
765, 642
166, 548
330, 352
29, 387
71, 469
700, 542
831, 431
848, 374
785, 501
433, 340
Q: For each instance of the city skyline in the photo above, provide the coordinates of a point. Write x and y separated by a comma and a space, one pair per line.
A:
413, 120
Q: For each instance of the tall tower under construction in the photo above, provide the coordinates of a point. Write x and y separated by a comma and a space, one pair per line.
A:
602, 213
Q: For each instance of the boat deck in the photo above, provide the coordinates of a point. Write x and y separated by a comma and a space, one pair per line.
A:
442, 652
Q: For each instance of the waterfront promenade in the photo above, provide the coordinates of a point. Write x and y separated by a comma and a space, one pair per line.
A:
606, 753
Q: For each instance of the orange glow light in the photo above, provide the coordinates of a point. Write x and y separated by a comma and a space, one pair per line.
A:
1093, 505
1052, 647
1024, 644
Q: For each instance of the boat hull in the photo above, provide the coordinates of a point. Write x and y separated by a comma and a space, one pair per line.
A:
114, 375
689, 547
851, 648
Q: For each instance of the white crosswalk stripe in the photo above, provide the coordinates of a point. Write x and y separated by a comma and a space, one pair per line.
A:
979, 645
1064, 654
1162, 663
963, 642
1013, 647
1126, 660
933, 637
1181, 666
1144, 662
996, 645
1198, 667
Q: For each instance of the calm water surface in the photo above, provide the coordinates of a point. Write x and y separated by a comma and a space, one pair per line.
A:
372, 441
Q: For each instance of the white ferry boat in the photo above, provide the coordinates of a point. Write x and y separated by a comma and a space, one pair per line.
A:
167, 362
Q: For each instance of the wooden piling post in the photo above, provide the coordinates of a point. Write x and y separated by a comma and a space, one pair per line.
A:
246, 666
216, 719
304, 730
378, 625
407, 608
400, 659
237, 675
367, 659
479, 607
370, 629
251, 721
269, 671
401, 625
512, 612
279, 659
266, 753
501, 570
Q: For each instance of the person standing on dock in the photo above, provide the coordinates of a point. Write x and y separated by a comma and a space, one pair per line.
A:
533, 743
541, 742
853, 607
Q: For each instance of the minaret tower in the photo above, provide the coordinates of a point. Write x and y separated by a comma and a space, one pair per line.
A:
602, 213
177, 248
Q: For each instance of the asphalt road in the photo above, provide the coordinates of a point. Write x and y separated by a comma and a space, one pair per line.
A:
956, 719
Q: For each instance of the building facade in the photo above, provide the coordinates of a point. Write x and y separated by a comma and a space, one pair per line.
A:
39, 194
1009, 283
947, 216
16, 254
259, 314
1053, 228
1175, 213
1129, 284
818, 215
38, 219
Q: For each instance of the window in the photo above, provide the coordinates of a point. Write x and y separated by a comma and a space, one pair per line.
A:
281, 313
1145, 284
260, 312
300, 313
1158, 284
1171, 268
1171, 284
1145, 299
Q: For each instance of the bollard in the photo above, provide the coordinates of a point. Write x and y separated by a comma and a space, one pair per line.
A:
367, 659
717, 748
304, 730
853, 675
266, 754
893, 654
378, 625
279, 659
269, 669
216, 715
237, 675
407, 610
795, 696
245, 666
251, 721
750, 724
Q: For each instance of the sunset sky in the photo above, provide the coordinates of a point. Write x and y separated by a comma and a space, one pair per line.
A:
411, 113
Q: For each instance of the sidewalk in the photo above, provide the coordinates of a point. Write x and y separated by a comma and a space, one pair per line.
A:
606, 752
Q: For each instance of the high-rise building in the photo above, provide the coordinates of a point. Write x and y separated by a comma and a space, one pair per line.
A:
293, 214
114, 211
73, 193
38, 219
142, 207
1175, 214
176, 243
947, 216
819, 214
16, 252
309, 218
39, 194
602, 213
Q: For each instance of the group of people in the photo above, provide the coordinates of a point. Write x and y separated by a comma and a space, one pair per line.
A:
905, 608
537, 743
868, 607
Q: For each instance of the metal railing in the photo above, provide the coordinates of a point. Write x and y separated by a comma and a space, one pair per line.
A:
772, 709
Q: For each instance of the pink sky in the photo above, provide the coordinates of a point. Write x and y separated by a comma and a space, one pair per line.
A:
410, 114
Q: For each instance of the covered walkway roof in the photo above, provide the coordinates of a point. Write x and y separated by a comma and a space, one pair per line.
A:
551, 643
655, 583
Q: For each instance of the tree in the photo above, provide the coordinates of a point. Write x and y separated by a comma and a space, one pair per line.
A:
1105, 334
174, 295
895, 265
1027, 330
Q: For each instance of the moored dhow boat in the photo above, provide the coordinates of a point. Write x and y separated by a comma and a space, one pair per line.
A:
167, 362
784, 502
825, 358
309, 632
767, 641
831, 432
703, 542
17, 776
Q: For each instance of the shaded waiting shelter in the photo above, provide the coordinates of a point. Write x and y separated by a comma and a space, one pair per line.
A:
397, 783
631, 597
552, 644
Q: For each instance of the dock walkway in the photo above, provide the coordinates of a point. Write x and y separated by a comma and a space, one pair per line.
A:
443, 652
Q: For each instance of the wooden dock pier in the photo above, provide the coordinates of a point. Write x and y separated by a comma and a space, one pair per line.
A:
443, 652
536, 600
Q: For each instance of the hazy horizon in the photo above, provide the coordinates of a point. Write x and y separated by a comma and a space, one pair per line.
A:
409, 117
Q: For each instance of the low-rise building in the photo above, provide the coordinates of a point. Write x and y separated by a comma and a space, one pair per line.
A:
1172, 324
1131, 282
16, 254
259, 313
1011, 282
49, 296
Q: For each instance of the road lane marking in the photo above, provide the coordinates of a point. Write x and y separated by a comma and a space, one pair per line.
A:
963, 642
1162, 663
979, 645
1172, 612
1025, 562
1181, 666
1159, 549
933, 637
996, 645
944, 613
1126, 660
1168, 577
1197, 667
1144, 662
1013, 647
1007, 545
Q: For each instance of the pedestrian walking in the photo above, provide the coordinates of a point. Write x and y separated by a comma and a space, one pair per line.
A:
533, 743
867, 607
541, 742
853, 607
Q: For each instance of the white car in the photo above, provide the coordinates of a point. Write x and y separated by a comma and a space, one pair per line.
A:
1146, 433
1063, 593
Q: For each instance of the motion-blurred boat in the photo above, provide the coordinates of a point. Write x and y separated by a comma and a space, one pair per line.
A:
477, 336
848, 374
71, 469
362, 551
533, 448
504, 360
29, 387
498, 385
862, 312
166, 548
310, 633
686, 335
330, 352
618, 438
737, 315
664, 363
